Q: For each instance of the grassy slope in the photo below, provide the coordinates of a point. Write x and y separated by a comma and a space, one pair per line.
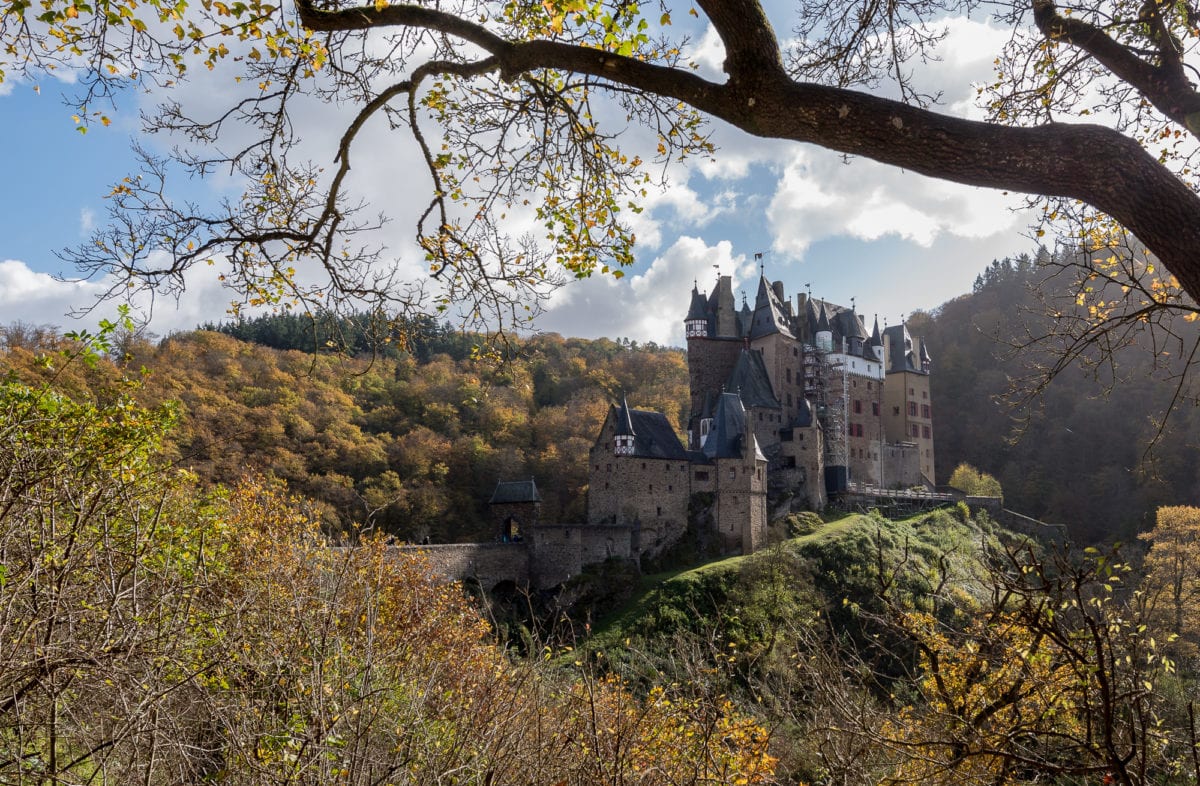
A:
839, 559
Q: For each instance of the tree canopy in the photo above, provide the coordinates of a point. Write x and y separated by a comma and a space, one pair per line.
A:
517, 109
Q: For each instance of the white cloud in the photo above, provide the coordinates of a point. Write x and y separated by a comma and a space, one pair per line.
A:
645, 307
87, 220
39, 298
819, 196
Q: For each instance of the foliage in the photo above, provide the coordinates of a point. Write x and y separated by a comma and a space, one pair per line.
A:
1095, 452
413, 446
156, 634
1051, 677
107, 556
1172, 578
974, 483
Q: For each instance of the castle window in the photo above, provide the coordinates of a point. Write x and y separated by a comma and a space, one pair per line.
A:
854, 383
910, 392
659, 510
926, 433
733, 473
789, 376
802, 436
606, 484
925, 413
789, 462
795, 352
912, 408
924, 394
874, 407
670, 487
869, 383
651, 487
785, 435
760, 417
895, 410
701, 475
643, 465
857, 406
789, 399
915, 430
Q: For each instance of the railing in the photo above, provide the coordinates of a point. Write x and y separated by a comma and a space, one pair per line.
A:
871, 490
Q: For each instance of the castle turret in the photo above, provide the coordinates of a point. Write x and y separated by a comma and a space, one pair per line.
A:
856, 332
926, 360
624, 436
695, 324
877, 342
824, 333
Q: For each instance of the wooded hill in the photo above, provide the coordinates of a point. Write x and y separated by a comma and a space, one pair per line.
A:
1085, 453
414, 442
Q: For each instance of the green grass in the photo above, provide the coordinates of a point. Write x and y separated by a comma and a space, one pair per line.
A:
620, 619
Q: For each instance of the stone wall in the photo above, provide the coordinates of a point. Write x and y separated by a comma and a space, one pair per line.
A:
560, 551
488, 563
710, 362
650, 495
901, 465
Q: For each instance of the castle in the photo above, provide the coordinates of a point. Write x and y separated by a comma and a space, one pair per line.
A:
792, 400
795, 404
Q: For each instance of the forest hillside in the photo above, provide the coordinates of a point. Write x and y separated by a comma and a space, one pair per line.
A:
1088, 453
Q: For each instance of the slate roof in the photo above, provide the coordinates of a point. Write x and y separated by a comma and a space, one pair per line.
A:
752, 382
652, 432
822, 321
902, 358
770, 316
510, 491
699, 307
726, 438
745, 319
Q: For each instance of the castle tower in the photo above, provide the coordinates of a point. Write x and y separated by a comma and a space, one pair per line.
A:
877, 342
714, 339
907, 402
741, 482
824, 332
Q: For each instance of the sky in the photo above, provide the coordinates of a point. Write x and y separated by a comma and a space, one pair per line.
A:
892, 241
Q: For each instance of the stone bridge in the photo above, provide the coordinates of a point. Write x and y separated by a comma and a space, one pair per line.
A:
488, 563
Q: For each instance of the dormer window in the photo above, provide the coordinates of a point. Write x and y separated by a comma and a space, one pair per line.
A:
623, 445
705, 427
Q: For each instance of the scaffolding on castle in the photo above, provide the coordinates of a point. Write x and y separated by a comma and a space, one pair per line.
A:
825, 385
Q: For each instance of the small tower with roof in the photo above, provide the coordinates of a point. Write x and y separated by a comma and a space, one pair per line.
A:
695, 324
624, 437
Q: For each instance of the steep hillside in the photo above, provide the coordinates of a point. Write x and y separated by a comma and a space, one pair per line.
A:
1078, 456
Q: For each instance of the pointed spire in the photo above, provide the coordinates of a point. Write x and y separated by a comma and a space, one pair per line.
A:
823, 321
876, 338
624, 420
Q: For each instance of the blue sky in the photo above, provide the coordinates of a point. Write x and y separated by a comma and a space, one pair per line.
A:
894, 241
